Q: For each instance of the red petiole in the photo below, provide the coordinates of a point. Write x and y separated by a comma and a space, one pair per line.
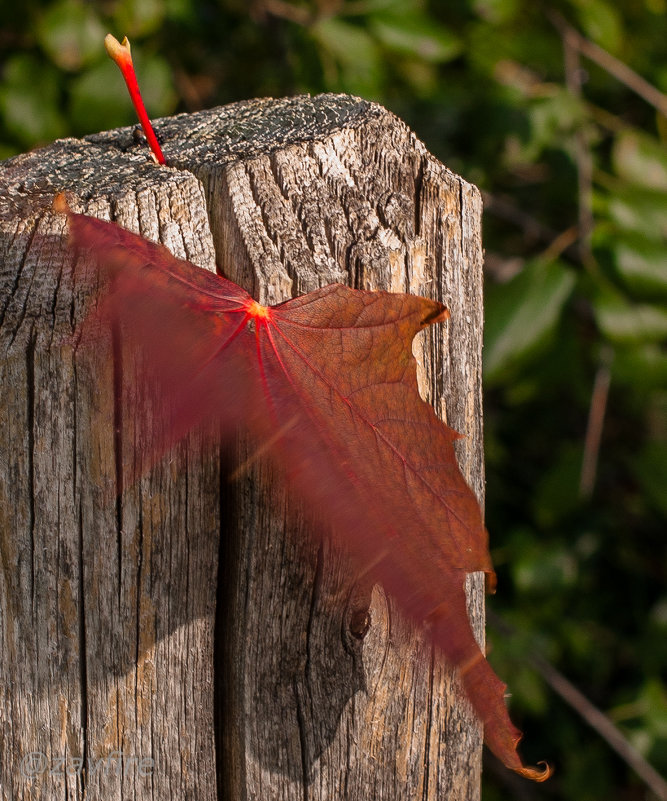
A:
120, 53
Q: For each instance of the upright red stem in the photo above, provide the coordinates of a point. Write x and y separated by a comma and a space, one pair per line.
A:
121, 54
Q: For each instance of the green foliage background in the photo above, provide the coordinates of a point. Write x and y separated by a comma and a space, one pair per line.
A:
574, 167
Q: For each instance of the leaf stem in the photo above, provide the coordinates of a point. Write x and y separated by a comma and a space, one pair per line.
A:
121, 54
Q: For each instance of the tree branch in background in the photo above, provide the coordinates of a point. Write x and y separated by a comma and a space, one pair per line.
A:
561, 243
595, 718
283, 10
596, 417
533, 229
612, 65
584, 158
301, 15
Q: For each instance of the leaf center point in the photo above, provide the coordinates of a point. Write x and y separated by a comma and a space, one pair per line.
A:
257, 311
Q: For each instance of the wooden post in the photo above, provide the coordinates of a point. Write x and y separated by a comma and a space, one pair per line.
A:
188, 639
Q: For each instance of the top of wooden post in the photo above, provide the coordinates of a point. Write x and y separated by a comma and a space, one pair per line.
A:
119, 160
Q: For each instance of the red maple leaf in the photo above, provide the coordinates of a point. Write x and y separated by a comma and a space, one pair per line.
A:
327, 382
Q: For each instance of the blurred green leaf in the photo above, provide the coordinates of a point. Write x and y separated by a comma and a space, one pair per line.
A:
544, 570
528, 689
641, 367
651, 470
72, 34
557, 492
622, 321
521, 314
135, 19
496, 11
601, 22
552, 117
180, 11
354, 64
645, 719
640, 210
641, 160
99, 100
416, 36
7, 151
407, 7
510, 656
655, 696
642, 264
30, 101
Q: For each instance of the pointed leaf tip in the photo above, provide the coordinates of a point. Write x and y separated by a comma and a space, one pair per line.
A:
439, 314
537, 774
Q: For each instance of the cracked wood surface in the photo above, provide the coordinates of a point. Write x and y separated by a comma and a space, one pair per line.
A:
189, 639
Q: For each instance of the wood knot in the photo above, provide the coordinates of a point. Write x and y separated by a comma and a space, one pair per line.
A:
360, 622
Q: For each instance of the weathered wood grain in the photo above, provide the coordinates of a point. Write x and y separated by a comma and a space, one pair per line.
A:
192, 622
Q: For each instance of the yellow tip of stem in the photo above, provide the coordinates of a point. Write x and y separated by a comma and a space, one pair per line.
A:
117, 50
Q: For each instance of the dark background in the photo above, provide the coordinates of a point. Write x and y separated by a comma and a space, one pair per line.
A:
573, 165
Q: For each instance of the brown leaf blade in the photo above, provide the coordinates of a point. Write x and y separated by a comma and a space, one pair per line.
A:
328, 382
